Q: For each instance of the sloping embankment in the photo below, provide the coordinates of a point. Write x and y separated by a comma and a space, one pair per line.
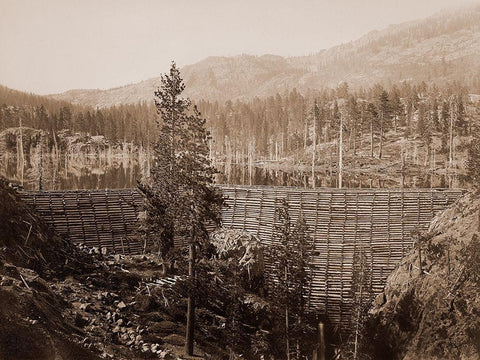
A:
32, 325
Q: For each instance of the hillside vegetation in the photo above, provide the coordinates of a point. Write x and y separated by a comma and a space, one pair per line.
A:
405, 130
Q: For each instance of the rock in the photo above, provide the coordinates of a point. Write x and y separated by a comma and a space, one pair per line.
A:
174, 339
165, 354
120, 322
246, 250
86, 306
152, 316
40, 285
77, 305
6, 281
80, 320
379, 300
156, 338
162, 327
11, 270
144, 303
121, 305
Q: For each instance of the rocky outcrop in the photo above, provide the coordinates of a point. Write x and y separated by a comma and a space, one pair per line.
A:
430, 307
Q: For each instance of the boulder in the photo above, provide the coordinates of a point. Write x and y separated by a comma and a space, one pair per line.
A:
246, 249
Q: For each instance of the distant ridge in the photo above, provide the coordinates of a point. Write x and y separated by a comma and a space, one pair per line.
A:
442, 48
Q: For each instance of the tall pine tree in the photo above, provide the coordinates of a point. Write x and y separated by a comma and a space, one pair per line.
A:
384, 111
290, 280
180, 197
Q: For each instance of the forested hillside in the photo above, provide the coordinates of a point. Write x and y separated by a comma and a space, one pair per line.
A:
402, 129
130, 123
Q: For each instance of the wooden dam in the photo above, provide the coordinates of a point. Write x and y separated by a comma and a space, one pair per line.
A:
341, 221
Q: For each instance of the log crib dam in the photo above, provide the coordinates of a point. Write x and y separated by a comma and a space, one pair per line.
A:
379, 222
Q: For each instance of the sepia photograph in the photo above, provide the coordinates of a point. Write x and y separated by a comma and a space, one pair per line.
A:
228, 180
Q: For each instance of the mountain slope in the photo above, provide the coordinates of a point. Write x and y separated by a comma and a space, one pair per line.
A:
441, 48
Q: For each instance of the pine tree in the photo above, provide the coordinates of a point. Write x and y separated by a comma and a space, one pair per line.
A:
424, 129
461, 122
180, 196
290, 257
42, 116
445, 125
410, 106
65, 117
315, 115
372, 115
361, 293
435, 118
473, 161
384, 111
396, 107
353, 118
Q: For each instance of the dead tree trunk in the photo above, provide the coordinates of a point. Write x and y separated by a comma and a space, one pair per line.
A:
314, 152
340, 154
287, 335
189, 337
319, 351
381, 140
371, 138
450, 156
357, 325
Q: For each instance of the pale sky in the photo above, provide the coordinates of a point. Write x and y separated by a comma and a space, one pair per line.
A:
50, 46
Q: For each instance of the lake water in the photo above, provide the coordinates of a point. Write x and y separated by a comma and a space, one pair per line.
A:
91, 172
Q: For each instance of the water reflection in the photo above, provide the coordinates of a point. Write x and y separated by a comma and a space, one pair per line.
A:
74, 172
274, 175
51, 172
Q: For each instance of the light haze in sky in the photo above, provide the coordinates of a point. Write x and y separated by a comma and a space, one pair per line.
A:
50, 46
